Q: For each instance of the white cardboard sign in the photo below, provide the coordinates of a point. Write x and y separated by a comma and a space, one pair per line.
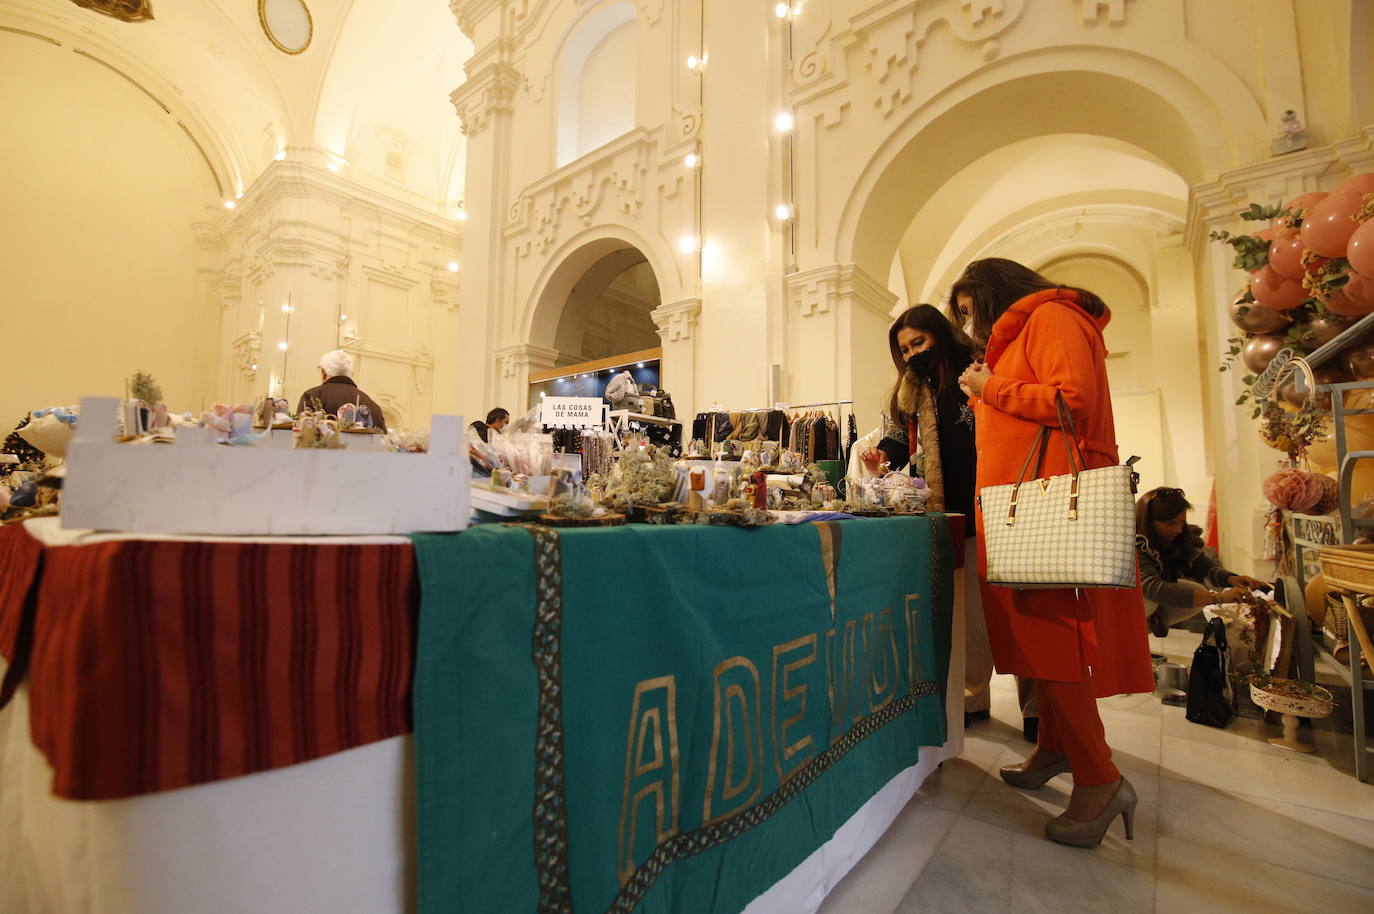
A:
572, 412
198, 487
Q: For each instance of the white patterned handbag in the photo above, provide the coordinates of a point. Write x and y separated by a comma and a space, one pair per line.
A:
1074, 530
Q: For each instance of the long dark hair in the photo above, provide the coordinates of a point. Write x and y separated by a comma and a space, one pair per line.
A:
496, 415
995, 284
1159, 504
952, 353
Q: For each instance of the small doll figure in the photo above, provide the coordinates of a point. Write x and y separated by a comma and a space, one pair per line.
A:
348, 415
364, 416
759, 495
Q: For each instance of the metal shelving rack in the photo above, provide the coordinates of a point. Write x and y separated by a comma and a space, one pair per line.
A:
1346, 461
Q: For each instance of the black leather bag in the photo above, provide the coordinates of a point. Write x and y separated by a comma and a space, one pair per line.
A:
1211, 700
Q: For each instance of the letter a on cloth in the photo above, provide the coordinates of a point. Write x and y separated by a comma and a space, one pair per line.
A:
674, 735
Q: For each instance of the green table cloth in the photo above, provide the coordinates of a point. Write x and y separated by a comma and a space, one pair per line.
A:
665, 719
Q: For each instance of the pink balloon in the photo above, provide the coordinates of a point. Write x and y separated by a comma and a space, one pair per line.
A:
1360, 249
1328, 226
1339, 303
1360, 289
1304, 202
1276, 292
1360, 184
1285, 256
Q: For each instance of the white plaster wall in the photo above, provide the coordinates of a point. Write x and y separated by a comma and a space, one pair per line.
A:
606, 90
98, 266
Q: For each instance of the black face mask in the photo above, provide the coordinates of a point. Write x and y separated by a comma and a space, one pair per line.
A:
923, 363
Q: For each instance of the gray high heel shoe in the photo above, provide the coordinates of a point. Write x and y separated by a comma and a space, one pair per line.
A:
1090, 834
1034, 778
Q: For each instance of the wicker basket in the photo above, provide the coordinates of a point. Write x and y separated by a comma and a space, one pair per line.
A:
1348, 567
1336, 622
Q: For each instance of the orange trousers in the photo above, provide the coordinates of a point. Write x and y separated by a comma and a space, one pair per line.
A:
1070, 724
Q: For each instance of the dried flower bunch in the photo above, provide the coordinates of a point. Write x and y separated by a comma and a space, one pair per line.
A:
143, 387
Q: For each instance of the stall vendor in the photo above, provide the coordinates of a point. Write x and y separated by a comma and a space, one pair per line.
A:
337, 388
1178, 574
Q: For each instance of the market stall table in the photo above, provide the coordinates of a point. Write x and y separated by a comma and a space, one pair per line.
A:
268, 680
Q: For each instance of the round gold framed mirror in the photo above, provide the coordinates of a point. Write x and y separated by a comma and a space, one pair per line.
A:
287, 24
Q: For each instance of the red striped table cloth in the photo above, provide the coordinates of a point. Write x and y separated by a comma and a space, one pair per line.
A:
158, 664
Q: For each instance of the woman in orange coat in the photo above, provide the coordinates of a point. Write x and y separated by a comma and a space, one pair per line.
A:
1079, 645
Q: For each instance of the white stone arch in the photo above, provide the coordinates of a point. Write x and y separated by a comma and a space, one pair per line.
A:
543, 308
1111, 92
584, 35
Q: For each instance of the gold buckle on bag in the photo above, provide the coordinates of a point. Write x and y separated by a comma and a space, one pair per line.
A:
1011, 506
1073, 498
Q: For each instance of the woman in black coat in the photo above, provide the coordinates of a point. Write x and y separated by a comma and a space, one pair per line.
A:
927, 409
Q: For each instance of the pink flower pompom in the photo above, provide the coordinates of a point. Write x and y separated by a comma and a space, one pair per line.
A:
1294, 490
1331, 495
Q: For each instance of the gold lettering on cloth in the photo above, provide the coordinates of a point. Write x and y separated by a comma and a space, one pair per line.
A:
841, 665
802, 652
913, 646
831, 536
737, 706
649, 759
885, 649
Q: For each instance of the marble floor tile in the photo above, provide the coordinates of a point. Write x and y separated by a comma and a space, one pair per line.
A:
969, 872
1309, 840
1281, 776
1054, 879
1334, 750
950, 786
1026, 811
884, 876
1196, 878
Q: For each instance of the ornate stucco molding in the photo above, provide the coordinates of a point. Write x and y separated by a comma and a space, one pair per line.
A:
489, 90
827, 289
511, 359
607, 188
676, 321
885, 41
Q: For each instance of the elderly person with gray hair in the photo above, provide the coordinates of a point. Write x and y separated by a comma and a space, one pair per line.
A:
338, 388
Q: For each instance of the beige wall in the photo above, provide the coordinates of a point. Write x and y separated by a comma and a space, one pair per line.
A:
98, 263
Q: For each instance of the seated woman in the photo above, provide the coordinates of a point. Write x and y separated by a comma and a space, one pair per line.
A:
1178, 574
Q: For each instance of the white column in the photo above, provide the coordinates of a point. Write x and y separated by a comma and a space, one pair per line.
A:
677, 324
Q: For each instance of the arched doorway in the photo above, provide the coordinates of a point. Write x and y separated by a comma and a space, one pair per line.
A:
1083, 175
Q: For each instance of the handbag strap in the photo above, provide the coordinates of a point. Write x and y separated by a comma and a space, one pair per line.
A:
1077, 462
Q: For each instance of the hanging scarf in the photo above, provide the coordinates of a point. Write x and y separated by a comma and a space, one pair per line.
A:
918, 402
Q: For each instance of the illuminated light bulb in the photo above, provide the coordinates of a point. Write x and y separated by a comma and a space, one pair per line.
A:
639, 364
238, 196
783, 212
282, 345
781, 10
462, 215
285, 309
687, 244
254, 366
692, 160
453, 266
693, 63
333, 166
343, 317
784, 122
229, 204
281, 154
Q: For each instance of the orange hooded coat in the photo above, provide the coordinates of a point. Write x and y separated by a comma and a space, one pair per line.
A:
1045, 343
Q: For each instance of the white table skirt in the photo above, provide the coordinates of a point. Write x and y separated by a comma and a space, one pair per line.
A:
328, 836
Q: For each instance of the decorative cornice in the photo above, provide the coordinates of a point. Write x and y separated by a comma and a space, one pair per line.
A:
827, 289
1215, 204
489, 90
676, 321
511, 359
296, 182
